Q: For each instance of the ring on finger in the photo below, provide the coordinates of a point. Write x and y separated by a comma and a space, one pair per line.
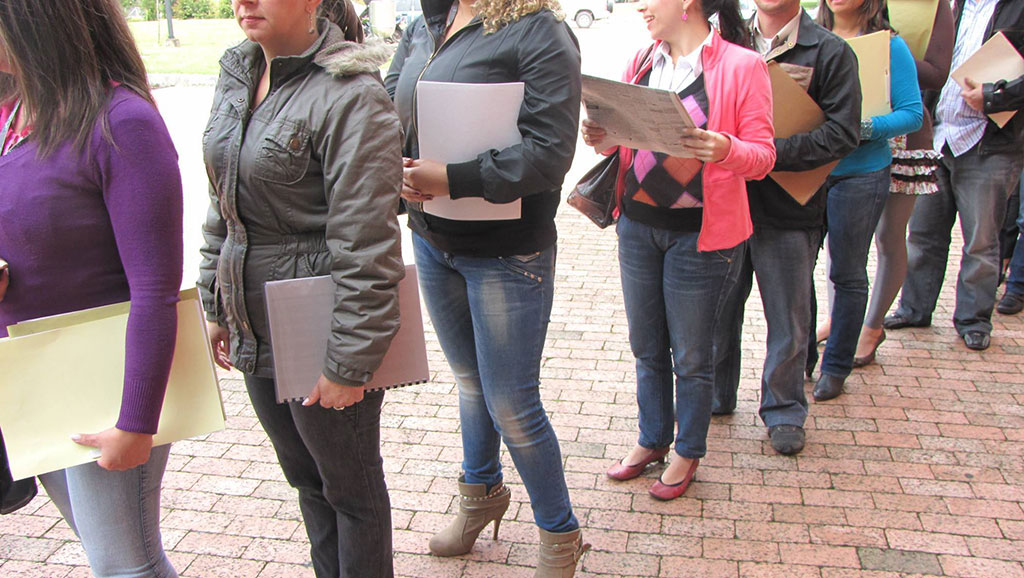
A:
339, 408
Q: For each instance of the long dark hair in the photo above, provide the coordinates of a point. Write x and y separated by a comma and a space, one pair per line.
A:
66, 57
873, 13
730, 21
343, 13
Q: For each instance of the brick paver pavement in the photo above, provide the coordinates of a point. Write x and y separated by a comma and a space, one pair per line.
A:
916, 471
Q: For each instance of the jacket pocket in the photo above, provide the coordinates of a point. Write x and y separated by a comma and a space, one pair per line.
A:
284, 154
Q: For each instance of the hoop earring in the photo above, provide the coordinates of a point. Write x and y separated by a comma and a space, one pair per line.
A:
312, 28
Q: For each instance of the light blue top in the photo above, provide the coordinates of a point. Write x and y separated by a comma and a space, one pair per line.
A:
905, 118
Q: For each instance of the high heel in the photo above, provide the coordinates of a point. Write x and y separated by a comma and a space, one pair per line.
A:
870, 357
622, 472
664, 492
477, 508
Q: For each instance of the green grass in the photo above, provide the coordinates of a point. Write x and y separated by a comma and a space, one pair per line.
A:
202, 44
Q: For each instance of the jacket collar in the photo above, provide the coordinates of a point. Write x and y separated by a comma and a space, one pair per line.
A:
329, 51
807, 34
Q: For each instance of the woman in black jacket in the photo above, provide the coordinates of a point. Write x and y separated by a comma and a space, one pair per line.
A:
488, 284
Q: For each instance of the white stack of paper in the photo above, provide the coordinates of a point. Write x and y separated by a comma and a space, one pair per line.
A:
487, 119
300, 316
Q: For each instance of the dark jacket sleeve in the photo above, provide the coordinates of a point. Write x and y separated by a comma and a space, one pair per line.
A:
361, 150
214, 232
839, 96
549, 65
398, 60
1004, 95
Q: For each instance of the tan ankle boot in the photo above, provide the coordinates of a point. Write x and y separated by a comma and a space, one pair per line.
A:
559, 554
477, 508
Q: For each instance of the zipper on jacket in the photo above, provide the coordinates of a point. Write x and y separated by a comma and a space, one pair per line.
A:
415, 105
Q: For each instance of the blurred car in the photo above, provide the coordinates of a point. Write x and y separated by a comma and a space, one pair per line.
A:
585, 12
406, 11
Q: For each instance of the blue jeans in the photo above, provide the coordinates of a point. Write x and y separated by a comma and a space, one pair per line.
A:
116, 515
674, 295
1015, 276
975, 187
491, 317
855, 204
783, 260
333, 459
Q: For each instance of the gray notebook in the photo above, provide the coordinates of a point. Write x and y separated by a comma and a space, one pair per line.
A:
300, 313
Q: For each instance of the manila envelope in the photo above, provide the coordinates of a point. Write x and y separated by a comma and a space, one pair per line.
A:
914, 20
996, 60
795, 112
64, 375
873, 67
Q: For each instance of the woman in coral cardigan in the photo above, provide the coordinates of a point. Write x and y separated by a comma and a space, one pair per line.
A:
683, 222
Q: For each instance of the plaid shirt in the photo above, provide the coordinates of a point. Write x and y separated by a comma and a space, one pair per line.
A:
958, 125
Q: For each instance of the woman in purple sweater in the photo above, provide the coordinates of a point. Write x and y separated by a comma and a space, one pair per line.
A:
90, 214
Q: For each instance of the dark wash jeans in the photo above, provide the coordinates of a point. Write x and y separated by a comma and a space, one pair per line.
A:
1015, 275
855, 204
674, 295
491, 316
333, 459
976, 188
783, 261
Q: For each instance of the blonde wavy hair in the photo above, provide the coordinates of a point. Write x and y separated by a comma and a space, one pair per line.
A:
498, 13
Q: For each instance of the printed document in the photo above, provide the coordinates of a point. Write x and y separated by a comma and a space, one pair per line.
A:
638, 117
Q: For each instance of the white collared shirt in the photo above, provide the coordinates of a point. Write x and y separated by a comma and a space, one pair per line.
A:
766, 45
687, 68
956, 123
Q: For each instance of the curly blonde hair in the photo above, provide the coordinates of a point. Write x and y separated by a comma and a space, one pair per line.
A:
498, 13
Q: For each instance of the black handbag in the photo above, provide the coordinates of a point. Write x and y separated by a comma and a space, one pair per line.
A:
14, 495
594, 195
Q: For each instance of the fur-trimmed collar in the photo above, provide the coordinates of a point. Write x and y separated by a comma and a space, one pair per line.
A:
341, 57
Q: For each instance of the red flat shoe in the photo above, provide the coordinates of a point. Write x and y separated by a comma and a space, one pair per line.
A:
623, 472
664, 492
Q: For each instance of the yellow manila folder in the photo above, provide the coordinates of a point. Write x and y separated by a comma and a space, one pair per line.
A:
795, 112
914, 19
996, 60
872, 52
63, 375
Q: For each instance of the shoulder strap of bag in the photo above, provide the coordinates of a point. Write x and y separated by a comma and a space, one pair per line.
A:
625, 154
